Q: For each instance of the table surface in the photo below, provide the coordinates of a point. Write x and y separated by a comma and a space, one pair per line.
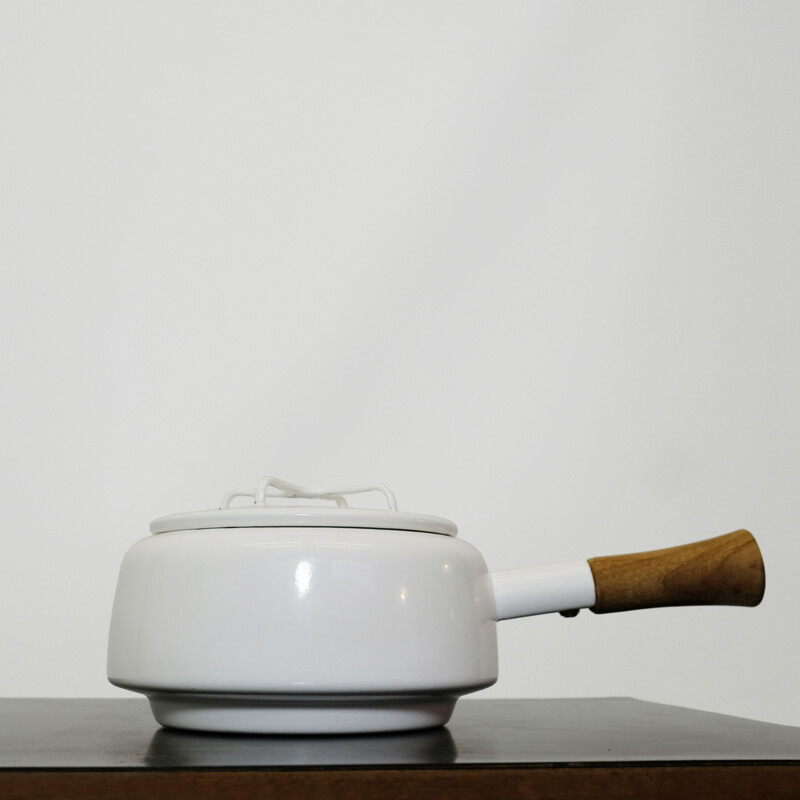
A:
111, 734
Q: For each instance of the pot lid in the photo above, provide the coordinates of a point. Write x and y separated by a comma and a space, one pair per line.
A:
260, 514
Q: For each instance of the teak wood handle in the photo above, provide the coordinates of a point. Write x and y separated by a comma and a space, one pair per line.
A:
726, 570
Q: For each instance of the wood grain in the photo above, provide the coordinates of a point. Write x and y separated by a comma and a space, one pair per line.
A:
697, 782
725, 570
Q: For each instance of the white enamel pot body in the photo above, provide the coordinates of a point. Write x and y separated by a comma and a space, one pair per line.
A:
307, 620
304, 610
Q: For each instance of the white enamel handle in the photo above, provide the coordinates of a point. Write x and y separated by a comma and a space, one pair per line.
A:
528, 591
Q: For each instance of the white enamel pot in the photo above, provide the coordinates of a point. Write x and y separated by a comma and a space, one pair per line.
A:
276, 618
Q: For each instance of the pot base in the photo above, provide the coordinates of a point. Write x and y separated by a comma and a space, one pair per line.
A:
300, 714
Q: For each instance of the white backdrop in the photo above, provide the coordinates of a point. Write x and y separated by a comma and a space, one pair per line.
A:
532, 264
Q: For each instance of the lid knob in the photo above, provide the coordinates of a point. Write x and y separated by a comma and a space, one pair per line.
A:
270, 486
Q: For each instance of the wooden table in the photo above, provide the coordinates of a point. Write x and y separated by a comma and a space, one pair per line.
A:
581, 748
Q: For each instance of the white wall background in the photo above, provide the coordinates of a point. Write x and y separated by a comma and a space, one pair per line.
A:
533, 265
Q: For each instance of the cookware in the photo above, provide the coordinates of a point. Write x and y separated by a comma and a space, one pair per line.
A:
285, 616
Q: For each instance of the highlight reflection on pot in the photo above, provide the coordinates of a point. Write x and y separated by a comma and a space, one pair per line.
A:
302, 578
